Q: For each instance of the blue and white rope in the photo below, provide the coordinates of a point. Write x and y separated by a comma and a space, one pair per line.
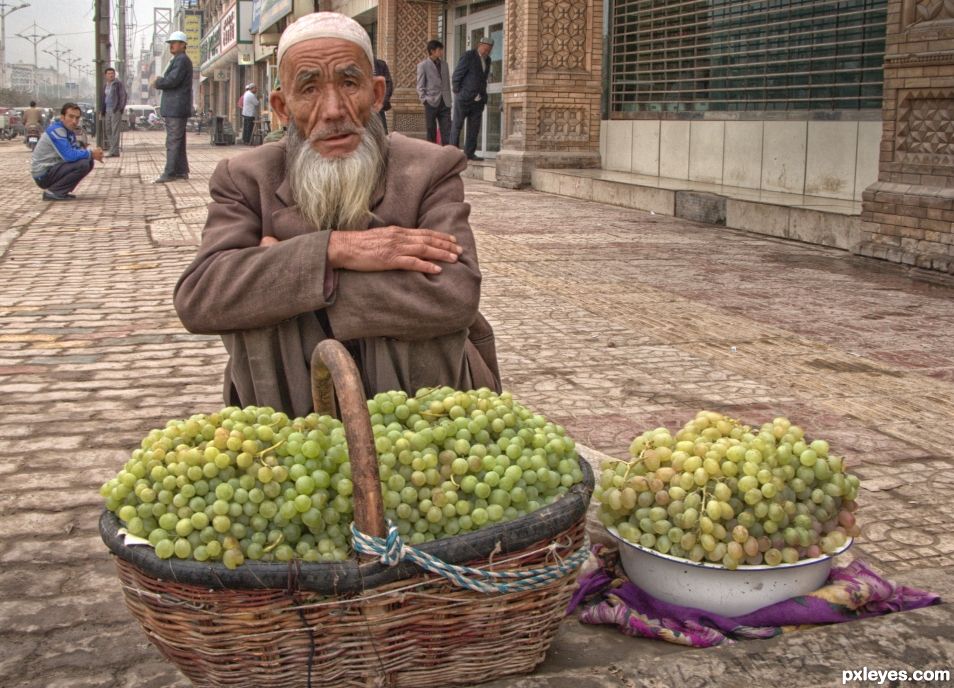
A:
393, 551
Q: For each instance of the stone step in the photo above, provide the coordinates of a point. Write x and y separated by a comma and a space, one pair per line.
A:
811, 219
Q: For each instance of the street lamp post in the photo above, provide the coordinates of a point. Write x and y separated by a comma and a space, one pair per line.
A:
71, 63
4, 11
58, 53
35, 38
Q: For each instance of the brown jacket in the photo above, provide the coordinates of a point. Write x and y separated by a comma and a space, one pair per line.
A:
407, 329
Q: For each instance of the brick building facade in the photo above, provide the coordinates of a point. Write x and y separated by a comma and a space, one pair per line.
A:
909, 211
544, 97
790, 98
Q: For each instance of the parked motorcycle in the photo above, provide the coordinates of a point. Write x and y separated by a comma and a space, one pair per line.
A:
32, 136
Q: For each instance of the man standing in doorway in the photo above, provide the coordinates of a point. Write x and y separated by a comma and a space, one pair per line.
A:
112, 104
249, 112
175, 107
470, 88
434, 90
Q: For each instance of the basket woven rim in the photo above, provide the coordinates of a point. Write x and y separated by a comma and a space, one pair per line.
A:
336, 578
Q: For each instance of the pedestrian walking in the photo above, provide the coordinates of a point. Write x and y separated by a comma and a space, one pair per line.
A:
250, 105
59, 160
175, 108
470, 94
381, 69
112, 103
434, 91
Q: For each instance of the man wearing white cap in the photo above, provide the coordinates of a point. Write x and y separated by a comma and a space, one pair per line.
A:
175, 107
338, 231
250, 105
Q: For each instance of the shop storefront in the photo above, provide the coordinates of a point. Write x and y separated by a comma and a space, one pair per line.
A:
269, 19
226, 56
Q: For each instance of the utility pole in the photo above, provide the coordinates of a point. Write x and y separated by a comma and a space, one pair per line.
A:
101, 21
4, 11
35, 38
71, 63
121, 39
57, 53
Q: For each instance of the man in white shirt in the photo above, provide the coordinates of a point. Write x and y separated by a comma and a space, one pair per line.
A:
249, 111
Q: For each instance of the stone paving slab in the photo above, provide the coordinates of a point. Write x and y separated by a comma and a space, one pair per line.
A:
610, 321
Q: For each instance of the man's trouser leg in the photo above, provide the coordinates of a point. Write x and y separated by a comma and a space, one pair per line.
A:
248, 123
176, 162
444, 122
474, 116
457, 126
430, 122
114, 122
63, 178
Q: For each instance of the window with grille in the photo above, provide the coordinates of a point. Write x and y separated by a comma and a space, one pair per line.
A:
697, 55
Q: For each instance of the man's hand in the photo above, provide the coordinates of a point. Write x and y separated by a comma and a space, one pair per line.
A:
97, 154
268, 241
392, 248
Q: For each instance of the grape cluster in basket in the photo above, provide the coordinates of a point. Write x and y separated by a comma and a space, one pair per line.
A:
252, 484
724, 493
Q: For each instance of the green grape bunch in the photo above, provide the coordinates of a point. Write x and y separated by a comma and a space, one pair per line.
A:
720, 492
254, 484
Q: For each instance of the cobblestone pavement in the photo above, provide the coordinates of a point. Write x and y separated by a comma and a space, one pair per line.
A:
609, 320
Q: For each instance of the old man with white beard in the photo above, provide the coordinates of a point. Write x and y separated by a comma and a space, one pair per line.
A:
338, 231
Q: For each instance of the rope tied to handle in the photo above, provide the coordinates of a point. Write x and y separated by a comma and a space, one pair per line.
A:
391, 550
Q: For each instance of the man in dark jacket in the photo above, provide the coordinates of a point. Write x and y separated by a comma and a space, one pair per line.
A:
112, 103
470, 90
175, 107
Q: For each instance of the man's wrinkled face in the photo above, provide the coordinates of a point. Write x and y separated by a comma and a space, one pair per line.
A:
71, 118
329, 91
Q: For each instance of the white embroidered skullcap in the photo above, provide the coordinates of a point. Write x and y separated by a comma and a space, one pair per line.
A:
325, 25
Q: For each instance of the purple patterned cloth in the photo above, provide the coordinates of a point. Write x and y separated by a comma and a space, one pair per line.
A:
852, 592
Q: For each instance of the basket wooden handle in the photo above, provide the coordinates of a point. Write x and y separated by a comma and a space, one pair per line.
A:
333, 371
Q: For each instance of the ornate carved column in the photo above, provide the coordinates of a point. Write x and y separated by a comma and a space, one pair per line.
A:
551, 98
908, 212
404, 28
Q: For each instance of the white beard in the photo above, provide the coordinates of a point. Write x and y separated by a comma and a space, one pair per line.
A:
335, 193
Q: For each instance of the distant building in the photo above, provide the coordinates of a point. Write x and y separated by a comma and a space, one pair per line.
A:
22, 77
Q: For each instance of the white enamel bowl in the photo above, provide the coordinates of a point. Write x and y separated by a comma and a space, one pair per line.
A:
714, 588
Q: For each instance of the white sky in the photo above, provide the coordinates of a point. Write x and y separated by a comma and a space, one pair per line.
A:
71, 23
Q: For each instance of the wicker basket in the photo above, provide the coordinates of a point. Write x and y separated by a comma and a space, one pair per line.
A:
357, 623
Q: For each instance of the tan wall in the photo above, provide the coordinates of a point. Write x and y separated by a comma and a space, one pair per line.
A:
818, 158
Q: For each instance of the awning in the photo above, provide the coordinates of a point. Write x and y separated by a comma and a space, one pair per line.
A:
270, 11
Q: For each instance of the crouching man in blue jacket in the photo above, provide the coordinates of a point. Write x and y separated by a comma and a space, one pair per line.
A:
60, 161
